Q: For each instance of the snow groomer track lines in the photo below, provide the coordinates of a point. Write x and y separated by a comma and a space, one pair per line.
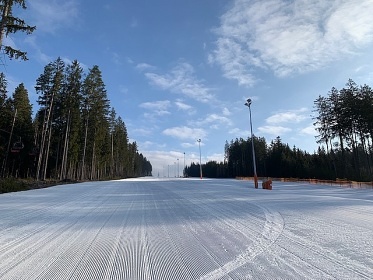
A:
186, 229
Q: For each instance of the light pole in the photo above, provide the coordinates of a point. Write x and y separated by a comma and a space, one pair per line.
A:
168, 171
200, 164
248, 103
184, 167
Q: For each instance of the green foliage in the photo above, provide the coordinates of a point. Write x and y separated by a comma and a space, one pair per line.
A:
4, 115
12, 185
75, 134
79, 135
23, 132
10, 24
344, 121
15, 128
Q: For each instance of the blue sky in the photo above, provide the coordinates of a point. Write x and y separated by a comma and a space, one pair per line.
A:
177, 70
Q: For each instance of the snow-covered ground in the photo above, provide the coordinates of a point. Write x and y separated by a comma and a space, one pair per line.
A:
186, 229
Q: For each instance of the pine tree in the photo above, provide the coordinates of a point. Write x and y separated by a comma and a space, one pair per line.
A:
120, 144
70, 103
49, 86
3, 115
112, 130
24, 131
96, 149
5, 122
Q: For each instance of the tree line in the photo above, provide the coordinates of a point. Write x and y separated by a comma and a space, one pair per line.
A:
75, 133
344, 121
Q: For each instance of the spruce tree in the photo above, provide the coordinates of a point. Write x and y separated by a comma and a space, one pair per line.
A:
96, 148
49, 86
3, 116
70, 109
5, 120
23, 130
11, 24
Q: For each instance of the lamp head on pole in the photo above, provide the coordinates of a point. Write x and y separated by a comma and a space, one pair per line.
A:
248, 103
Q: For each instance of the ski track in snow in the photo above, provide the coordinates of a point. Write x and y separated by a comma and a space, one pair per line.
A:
186, 229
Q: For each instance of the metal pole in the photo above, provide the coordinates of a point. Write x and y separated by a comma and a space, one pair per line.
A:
184, 167
252, 145
200, 161
178, 168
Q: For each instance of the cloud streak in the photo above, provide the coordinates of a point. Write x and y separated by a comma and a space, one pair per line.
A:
157, 108
185, 133
276, 121
181, 80
292, 116
289, 37
274, 130
213, 120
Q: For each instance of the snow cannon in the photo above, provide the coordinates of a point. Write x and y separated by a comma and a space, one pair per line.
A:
267, 184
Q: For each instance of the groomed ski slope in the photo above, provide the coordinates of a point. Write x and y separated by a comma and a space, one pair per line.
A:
186, 229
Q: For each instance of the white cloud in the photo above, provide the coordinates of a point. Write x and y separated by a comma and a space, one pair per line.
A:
156, 105
144, 66
274, 130
291, 116
226, 112
184, 132
214, 119
141, 131
182, 106
51, 15
156, 108
234, 61
289, 37
185, 107
181, 80
188, 145
309, 130
215, 157
129, 60
147, 145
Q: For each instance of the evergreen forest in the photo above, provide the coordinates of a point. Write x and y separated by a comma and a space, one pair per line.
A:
74, 135
344, 122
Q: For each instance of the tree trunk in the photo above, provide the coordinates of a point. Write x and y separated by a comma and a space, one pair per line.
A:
47, 152
46, 125
4, 18
93, 160
84, 150
10, 139
65, 149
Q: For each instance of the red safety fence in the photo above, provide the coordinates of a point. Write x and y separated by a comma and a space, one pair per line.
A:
339, 182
